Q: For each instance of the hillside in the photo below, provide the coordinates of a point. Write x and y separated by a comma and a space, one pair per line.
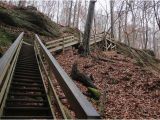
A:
128, 90
31, 19
126, 81
14, 20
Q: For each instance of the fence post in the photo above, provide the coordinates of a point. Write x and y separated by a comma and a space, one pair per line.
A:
63, 44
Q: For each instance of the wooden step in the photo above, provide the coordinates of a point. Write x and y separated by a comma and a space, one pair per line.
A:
22, 104
26, 80
26, 84
27, 64
27, 117
31, 89
27, 111
27, 94
27, 73
27, 77
26, 100
27, 61
26, 68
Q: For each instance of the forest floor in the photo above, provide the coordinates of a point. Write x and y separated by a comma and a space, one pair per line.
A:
127, 90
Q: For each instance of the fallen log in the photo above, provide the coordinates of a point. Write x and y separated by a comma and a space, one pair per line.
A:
81, 77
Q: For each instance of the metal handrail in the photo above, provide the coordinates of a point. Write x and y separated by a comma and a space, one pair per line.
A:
76, 99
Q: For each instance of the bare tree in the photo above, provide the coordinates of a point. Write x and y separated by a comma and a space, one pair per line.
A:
58, 12
112, 17
79, 6
22, 3
88, 27
156, 9
75, 12
70, 13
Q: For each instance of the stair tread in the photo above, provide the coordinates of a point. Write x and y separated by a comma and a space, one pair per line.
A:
27, 89
26, 84
27, 71
26, 61
28, 108
22, 104
27, 117
25, 100
27, 111
27, 81
28, 94
25, 68
27, 74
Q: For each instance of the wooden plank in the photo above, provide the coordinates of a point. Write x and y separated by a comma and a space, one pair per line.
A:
54, 45
57, 40
82, 107
70, 40
66, 45
93, 41
61, 43
109, 46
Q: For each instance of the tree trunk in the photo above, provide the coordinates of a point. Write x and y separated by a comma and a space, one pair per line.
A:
79, 6
74, 15
119, 28
125, 26
70, 13
58, 13
88, 27
112, 18
154, 38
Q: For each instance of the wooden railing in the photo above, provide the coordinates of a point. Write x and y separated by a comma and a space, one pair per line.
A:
64, 42
7, 65
81, 106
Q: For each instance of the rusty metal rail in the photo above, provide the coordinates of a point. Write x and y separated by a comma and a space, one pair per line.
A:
82, 107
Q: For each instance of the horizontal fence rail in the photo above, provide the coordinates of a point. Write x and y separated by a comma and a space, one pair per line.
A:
82, 107
68, 41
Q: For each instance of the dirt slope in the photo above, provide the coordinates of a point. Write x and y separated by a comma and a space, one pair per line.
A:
127, 89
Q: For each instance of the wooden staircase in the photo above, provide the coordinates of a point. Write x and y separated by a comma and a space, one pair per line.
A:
23, 93
27, 97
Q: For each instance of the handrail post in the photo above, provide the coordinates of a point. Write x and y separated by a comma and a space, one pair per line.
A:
63, 44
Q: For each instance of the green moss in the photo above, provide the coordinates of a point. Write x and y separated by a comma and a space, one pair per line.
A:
31, 20
6, 38
95, 94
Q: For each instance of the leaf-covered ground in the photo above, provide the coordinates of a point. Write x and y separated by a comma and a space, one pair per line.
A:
127, 90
